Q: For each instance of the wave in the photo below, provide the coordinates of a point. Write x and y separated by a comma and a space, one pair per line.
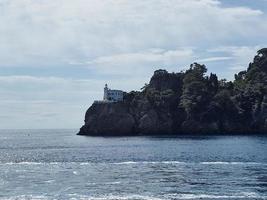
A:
242, 195
188, 163
94, 163
30, 163
25, 197
84, 197
136, 163
232, 163
115, 197
148, 162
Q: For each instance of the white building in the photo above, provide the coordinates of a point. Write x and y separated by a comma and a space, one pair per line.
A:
112, 95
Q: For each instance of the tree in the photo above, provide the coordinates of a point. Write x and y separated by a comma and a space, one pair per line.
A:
195, 89
213, 83
145, 86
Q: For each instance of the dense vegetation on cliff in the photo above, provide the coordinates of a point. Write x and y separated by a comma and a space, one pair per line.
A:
189, 102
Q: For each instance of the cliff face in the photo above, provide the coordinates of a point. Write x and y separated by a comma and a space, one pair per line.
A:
110, 118
188, 103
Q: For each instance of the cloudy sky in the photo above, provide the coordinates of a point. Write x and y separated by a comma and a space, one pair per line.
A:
56, 55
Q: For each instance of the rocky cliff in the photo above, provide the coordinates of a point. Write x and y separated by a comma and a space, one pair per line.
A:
189, 102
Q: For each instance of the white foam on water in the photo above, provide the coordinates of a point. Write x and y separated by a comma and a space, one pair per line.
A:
75, 172
85, 163
105, 183
148, 162
188, 163
231, 163
25, 197
136, 163
31, 163
50, 181
47, 163
114, 197
173, 162
170, 196
113, 183
22, 163
243, 195
126, 163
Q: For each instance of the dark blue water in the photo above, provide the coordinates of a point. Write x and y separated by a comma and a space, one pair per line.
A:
57, 164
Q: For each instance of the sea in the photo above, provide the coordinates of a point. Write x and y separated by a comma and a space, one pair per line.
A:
58, 164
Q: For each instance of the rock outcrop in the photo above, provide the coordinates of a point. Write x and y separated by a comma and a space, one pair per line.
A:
187, 102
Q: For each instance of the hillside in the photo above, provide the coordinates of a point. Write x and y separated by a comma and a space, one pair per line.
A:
189, 102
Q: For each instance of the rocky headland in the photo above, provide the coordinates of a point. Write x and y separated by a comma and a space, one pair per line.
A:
189, 102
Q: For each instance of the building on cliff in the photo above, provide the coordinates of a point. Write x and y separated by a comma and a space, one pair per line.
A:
112, 95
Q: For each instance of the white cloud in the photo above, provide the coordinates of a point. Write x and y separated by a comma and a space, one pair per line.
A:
141, 63
213, 59
112, 38
41, 33
242, 55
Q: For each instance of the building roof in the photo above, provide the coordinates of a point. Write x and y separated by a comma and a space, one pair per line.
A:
115, 90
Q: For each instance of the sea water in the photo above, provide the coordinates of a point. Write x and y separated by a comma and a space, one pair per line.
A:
57, 164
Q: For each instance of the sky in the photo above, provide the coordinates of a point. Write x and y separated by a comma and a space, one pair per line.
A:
56, 55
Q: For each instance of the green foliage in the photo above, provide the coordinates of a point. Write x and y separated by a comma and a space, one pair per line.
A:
193, 102
129, 97
200, 97
240, 76
161, 72
195, 73
223, 99
195, 89
263, 51
240, 80
144, 87
159, 98
252, 73
213, 84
